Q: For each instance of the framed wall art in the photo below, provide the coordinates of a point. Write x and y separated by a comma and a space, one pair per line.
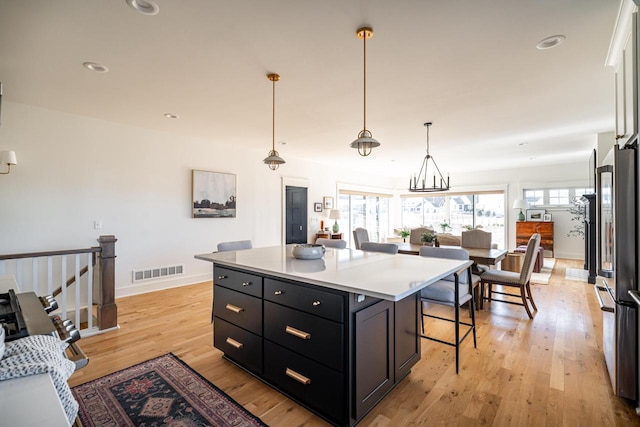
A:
546, 217
214, 194
317, 207
535, 214
327, 202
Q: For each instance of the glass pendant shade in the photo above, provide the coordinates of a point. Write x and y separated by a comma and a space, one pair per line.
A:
273, 160
365, 143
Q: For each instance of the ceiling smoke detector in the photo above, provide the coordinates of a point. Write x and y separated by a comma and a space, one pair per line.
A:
146, 7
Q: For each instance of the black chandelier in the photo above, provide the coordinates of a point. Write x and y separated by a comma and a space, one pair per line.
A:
421, 183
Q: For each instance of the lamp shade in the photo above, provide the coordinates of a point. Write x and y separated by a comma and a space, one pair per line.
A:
8, 158
520, 204
334, 214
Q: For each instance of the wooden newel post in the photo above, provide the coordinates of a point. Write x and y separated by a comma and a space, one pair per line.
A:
107, 309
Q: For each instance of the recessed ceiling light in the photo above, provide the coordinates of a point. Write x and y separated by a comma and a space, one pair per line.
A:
282, 143
550, 42
531, 158
171, 116
523, 143
94, 66
146, 7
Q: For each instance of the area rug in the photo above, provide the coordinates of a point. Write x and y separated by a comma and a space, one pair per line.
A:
163, 391
578, 274
542, 278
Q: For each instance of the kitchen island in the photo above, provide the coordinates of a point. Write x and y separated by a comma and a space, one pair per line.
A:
335, 334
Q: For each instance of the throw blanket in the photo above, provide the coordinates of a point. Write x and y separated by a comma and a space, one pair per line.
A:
40, 354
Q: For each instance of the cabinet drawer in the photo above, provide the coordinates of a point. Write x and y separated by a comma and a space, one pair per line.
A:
238, 308
239, 281
317, 338
307, 299
315, 385
239, 345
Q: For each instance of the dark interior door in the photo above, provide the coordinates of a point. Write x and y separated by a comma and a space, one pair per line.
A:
296, 214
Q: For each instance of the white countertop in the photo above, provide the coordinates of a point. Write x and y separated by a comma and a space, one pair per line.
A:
390, 277
31, 401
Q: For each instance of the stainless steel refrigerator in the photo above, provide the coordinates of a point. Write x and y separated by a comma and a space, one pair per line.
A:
617, 218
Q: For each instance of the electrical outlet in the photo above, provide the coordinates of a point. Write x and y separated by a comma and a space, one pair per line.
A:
97, 225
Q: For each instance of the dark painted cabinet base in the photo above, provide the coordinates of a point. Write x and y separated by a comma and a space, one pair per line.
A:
336, 353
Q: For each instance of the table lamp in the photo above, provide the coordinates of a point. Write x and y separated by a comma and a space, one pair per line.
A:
335, 214
520, 204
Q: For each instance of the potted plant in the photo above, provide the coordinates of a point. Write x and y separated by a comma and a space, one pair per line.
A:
428, 237
404, 233
444, 226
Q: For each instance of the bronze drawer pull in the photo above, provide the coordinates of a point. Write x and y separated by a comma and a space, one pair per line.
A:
246, 283
234, 343
297, 333
222, 277
234, 308
278, 292
316, 303
298, 377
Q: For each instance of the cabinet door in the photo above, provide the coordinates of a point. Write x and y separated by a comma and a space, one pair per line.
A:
374, 364
630, 125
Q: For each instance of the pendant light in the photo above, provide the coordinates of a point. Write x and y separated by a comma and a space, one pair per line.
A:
273, 159
365, 142
419, 183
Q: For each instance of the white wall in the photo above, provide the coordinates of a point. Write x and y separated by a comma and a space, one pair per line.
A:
74, 170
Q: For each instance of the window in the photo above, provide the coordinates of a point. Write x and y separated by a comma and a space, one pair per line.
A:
366, 210
553, 196
534, 197
458, 211
559, 196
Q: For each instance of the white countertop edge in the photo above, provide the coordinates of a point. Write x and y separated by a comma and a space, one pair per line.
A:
336, 286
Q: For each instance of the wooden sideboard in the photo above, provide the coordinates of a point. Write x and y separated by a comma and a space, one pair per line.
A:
524, 230
328, 235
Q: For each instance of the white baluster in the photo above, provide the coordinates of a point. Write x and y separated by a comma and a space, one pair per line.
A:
90, 291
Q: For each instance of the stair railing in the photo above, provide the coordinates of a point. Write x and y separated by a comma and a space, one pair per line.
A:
88, 295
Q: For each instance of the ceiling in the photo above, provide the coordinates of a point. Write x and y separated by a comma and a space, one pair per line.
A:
470, 67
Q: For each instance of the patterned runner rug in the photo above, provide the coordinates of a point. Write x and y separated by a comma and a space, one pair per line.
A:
163, 391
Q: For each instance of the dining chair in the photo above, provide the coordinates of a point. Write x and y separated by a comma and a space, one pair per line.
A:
447, 239
512, 279
453, 291
332, 243
234, 246
416, 234
360, 236
387, 248
477, 239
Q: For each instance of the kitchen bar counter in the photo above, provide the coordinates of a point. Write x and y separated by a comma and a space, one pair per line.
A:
385, 276
335, 334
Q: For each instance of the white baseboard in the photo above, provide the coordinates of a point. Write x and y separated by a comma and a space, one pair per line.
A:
568, 255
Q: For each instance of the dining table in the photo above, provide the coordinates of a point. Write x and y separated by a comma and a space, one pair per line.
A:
486, 256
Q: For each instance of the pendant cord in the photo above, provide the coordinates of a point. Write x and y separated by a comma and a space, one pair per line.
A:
273, 119
364, 38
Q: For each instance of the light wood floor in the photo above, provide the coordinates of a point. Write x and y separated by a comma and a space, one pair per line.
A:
546, 371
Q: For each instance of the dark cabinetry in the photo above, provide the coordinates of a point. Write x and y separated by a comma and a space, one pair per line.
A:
336, 353
524, 230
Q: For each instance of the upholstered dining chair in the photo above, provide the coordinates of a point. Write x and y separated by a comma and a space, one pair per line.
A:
234, 246
416, 234
521, 280
477, 239
360, 236
453, 291
388, 248
332, 243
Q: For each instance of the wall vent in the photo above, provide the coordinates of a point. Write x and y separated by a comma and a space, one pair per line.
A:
157, 272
